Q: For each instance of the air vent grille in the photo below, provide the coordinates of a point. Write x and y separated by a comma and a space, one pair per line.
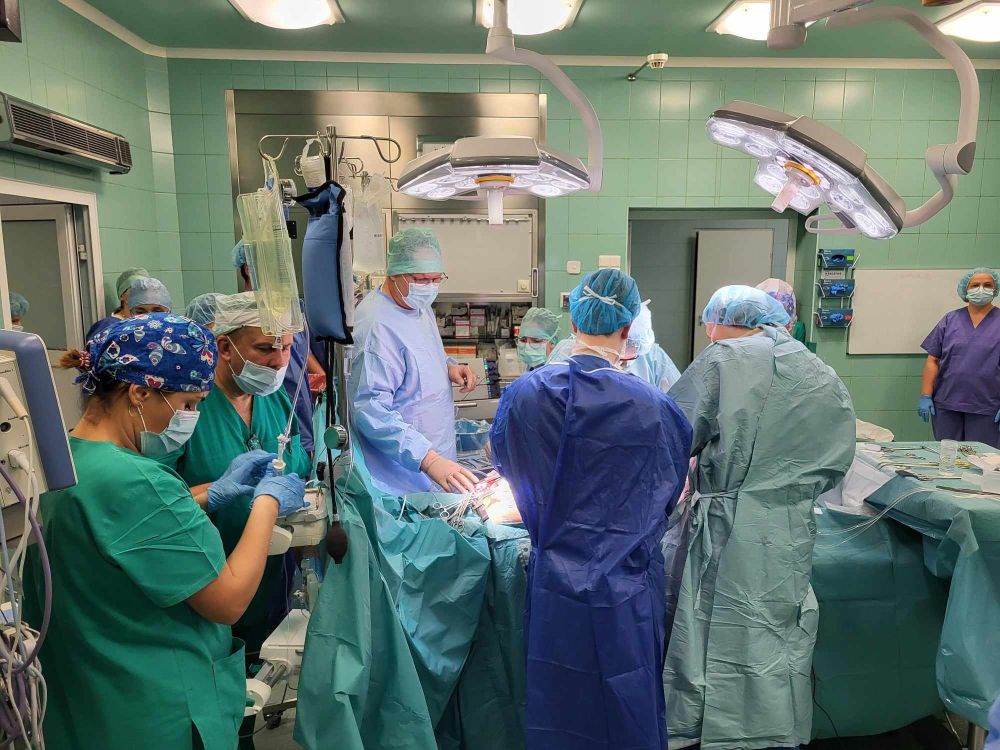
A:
36, 130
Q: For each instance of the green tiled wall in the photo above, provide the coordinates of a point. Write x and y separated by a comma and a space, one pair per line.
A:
656, 155
68, 64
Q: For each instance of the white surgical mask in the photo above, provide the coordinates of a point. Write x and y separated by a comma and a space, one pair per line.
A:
17, 327
979, 295
177, 432
257, 380
614, 356
421, 296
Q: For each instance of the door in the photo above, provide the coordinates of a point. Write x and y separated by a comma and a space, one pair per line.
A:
39, 254
723, 257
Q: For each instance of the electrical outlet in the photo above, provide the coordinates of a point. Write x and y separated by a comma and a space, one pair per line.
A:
573, 266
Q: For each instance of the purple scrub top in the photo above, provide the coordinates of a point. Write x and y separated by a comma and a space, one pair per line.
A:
969, 378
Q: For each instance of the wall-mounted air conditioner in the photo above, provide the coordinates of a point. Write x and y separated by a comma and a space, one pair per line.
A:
45, 134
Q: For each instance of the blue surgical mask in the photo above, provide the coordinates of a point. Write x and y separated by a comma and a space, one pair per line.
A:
177, 432
533, 355
980, 295
257, 380
421, 296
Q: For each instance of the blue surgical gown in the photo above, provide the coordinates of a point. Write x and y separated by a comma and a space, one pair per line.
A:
655, 367
400, 393
596, 459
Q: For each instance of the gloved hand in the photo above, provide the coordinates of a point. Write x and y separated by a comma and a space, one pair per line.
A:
239, 480
288, 489
925, 408
450, 476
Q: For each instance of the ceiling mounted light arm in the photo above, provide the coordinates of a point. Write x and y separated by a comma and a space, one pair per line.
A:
946, 161
500, 44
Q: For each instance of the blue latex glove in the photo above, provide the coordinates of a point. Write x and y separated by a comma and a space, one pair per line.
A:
239, 480
925, 408
288, 489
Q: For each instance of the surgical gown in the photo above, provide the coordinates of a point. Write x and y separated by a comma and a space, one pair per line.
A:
400, 393
655, 367
773, 430
596, 459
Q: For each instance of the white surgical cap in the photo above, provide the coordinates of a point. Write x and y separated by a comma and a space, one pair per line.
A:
236, 311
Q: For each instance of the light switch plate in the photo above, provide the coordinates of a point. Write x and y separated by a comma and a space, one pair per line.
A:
609, 261
524, 285
573, 266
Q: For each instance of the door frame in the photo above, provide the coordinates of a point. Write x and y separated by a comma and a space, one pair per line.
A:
92, 240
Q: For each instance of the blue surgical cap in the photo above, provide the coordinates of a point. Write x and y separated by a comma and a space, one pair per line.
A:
18, 305
126, 277
539, 323
414, 251
239, 255
963, 285
149, 291
202, 309
605, 301
744, 307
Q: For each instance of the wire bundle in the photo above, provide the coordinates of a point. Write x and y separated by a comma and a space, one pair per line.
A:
23, 685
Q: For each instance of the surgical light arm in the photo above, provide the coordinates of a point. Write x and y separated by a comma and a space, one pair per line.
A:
500, 44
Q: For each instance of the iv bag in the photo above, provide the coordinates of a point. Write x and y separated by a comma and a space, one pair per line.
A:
262, 216
369, 224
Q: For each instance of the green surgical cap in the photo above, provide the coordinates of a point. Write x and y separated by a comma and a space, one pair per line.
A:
126, 277
540, 323
414, 251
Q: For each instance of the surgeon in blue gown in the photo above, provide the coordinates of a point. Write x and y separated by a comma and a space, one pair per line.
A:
596, 459
401, 380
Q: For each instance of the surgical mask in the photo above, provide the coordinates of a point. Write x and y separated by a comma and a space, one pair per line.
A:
177, 432
615, 356
980, 295
533, 355
257, 380
17, 327
421, 296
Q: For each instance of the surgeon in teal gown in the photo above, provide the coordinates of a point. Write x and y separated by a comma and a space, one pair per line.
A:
773, 429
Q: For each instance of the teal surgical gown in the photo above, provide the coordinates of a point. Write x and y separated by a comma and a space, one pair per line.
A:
400, 393
773, 430
655, 366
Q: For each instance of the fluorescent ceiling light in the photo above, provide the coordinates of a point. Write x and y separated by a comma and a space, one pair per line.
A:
979, 22
531, 16
750, 19
290, 14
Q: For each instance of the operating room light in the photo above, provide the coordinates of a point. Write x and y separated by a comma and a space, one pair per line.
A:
527, 17
979, 22
290, 14
750, 19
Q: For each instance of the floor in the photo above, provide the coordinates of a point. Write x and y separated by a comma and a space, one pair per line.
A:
924, 735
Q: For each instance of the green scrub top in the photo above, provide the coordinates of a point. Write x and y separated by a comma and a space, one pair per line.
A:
128, 663
220, 436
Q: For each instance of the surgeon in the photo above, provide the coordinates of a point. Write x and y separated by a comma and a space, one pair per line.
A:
783, 292
961, 383
643, 357
122, 285
148, 295
202, 309
537, 336
299, 357
18, 309
400, 385
596, 459
139, 651
773, 430
247, 410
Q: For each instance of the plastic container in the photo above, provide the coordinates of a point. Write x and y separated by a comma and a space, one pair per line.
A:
471, 436
948, 454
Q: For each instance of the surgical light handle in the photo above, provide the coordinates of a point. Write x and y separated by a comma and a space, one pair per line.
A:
500, 44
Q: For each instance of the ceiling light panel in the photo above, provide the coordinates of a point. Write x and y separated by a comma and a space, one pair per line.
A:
290, 14
979, 22
750, 19
527, 17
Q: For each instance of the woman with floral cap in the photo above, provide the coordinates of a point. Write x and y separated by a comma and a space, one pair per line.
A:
139, 651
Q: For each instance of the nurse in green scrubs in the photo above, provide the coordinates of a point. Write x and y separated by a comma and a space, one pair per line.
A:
139, 652
247, 410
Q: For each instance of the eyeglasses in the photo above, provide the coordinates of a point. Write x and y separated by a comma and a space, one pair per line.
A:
420, 282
